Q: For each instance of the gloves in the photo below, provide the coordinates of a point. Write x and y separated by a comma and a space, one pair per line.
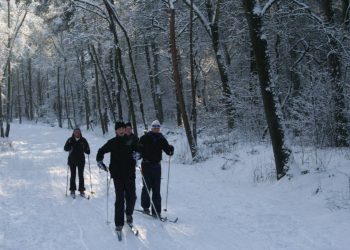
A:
136, 156
102, 166
171, 150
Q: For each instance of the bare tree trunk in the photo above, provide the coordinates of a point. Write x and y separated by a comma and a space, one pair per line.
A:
59, 98
85, 90
151, 79
121, 70
73, 103
66, 104
112, 14
19, 107
97, 92
334, 62
274, 121
8, 100
158, 93
26, 111
104, 80
177, 79
119, 88
30, 89
193, 81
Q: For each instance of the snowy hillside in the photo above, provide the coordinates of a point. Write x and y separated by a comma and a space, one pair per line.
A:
221, 204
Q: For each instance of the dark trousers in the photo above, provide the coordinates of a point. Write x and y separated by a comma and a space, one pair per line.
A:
73, 172
152, 175
125, 192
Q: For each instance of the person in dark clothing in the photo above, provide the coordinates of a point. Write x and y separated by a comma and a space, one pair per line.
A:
132, 139
152, 144
122, 171
77, 145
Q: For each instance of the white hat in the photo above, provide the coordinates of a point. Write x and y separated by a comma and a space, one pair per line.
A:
155, 124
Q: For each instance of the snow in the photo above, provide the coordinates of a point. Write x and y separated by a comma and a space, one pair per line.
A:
221, 203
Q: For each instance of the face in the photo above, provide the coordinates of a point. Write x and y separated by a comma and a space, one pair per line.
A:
155, 129
120, 131
77, 133
128, 130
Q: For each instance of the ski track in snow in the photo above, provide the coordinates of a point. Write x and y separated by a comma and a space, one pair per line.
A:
216, 209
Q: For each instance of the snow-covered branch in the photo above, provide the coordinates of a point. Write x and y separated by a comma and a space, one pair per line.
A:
201, 16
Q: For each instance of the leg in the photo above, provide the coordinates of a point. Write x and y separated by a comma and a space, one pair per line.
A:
130, 196
119, 203
81, 177
156, 198
73, 171
145, 199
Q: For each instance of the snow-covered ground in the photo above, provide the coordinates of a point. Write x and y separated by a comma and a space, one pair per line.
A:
229, 201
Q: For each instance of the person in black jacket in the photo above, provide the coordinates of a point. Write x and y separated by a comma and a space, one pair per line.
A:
152, 144
122, 171
77, 145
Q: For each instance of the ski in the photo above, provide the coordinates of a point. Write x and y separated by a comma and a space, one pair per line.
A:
162, 219
85, 196
72, 195
133, 229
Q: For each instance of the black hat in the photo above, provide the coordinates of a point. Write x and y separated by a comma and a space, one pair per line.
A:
128, 124
119, 124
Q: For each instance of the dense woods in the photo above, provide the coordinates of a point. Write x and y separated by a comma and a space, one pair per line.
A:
243, 70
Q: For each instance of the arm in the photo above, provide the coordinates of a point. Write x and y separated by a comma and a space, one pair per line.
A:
68, 145
105, 149
167, 148
87, 147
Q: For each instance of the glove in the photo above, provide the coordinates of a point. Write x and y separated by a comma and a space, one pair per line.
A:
136, 156
171, 150
102, 166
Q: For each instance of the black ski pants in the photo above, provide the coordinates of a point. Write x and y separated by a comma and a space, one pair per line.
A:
125, 192
73, 172
152, 176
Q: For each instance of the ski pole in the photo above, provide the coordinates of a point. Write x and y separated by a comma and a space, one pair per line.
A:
108, 183
149, 195
92, 192
67, 180
167, 187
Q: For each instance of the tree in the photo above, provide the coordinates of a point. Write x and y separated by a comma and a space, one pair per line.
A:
272, 113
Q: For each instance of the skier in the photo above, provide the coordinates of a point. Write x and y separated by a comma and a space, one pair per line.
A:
152, 144
77, 145
122, 171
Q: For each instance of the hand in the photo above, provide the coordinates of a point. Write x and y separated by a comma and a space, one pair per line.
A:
171, 150
102, 166
136, 156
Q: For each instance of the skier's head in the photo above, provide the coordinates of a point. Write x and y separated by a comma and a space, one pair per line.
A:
155, 126
77, 132
128, 128
120, 128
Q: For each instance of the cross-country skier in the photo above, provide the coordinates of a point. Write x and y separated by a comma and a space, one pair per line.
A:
77, 145
122, 170
152, 144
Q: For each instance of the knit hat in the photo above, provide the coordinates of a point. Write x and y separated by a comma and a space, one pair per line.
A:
119, 124
128, 124
155, 124
76, 128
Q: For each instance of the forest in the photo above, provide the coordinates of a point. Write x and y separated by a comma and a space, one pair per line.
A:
248, 70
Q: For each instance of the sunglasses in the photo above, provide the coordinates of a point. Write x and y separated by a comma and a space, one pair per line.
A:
155, 126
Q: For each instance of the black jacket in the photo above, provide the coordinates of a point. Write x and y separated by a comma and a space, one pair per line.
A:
152, 145
122, 164
134, 140
76, 149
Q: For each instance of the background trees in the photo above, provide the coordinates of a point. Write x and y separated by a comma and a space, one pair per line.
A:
84, 62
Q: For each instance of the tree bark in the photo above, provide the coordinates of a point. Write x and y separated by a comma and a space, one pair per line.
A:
59, 98
334, 64
193, 81
158, 93
177, 79
97, 92
273, 117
